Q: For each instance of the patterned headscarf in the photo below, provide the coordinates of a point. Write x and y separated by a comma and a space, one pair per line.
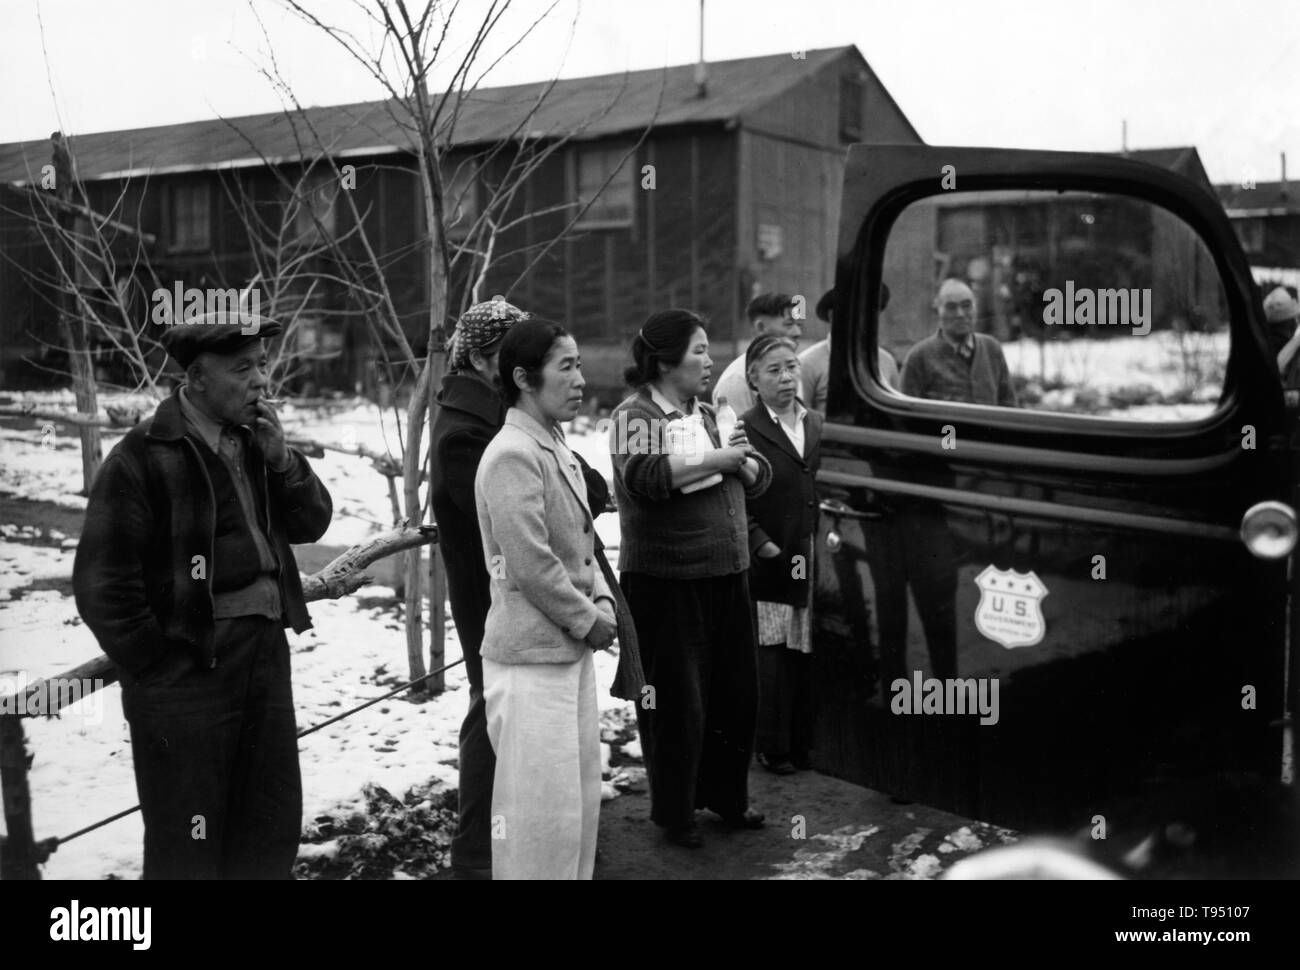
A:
482, 325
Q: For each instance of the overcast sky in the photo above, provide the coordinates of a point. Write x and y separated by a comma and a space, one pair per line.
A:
1223, 75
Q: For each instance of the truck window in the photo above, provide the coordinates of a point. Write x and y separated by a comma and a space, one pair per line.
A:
1074, 302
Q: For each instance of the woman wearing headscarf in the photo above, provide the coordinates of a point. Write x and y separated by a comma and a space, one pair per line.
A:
683, 558
551, 606
782, 522
470, 412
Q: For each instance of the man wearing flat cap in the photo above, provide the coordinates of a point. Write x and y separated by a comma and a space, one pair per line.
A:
186, 577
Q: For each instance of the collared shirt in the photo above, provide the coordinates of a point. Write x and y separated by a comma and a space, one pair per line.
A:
208, 430
566, 453
795, 434
965, 349
936, 370
670, 409
262, 596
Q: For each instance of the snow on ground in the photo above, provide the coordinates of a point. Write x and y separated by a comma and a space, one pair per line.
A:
1156, 359
82, 766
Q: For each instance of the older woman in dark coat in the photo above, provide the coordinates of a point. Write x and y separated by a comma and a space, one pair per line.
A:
471, 411
781, 524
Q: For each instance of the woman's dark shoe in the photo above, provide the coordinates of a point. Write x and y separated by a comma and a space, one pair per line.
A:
687, 836
801, 762
778, 766
748, 819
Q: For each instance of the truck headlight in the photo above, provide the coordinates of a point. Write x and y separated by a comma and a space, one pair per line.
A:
1269, 530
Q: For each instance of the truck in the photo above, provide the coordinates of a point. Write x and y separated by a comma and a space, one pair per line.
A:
1060, 610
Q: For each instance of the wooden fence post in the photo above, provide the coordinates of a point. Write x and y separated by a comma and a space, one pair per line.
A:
18, 857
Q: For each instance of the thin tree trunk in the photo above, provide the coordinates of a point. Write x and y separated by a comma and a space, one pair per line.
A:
437, 571
74, 337
411, 486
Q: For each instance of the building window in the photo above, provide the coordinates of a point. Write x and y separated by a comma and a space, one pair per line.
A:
613, 205
314, 205
460, 201
191, 217
851, 96
1250, 233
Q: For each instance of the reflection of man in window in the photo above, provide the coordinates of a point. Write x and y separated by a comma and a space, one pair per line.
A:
955, 363
1282, 313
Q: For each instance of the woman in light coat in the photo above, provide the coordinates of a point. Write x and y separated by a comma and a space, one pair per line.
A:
551, 606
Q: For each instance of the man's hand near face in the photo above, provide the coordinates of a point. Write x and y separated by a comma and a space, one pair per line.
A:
270, 437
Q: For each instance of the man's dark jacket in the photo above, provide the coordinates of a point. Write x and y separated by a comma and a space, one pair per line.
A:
470, 412
138, 582
786, 513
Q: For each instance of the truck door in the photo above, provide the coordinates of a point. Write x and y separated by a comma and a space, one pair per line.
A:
1053, 563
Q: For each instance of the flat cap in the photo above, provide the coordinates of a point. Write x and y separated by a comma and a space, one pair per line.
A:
218, 332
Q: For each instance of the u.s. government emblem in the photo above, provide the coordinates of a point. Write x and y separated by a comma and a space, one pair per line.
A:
1010, 609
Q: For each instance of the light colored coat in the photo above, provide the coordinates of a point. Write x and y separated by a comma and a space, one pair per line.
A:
539, 545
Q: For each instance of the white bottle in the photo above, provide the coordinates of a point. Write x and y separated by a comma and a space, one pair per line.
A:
726, 421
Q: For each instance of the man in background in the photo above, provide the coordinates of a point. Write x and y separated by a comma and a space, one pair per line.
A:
1282, 313
768, 313
815, 362
955, 363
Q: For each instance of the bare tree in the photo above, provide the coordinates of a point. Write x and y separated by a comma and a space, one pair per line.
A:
299, 250
410, 47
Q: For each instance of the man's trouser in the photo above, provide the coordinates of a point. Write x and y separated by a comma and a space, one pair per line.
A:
216, 758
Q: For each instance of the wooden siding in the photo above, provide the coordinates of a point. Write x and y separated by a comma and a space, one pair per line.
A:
602, 283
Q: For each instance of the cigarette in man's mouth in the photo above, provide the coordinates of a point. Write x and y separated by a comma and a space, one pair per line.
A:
271, 400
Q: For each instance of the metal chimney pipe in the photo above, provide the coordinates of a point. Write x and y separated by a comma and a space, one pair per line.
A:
701, 72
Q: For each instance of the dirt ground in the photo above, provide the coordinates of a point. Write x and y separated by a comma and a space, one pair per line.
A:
818, 827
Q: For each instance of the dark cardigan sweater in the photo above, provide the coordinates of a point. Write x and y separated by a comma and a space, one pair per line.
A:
666, 533
934, 370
